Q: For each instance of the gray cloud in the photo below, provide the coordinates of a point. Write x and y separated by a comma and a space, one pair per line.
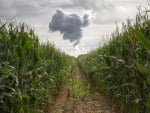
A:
26, 9
104, 4
107, 11
96, 4
70, 25
17, 8
36, 14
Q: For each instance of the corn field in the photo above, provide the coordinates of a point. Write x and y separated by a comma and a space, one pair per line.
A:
121, 68
30, 73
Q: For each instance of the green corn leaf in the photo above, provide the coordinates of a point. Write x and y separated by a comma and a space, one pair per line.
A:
143, 70
141, 38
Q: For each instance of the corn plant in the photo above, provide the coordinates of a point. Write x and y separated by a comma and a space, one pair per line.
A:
121, 68
30, 73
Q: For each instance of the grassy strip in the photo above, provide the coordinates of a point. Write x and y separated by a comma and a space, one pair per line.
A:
78, 89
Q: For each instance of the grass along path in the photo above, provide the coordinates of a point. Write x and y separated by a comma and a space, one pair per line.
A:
80, 97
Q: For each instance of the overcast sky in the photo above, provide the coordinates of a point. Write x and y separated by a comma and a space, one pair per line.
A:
74, 26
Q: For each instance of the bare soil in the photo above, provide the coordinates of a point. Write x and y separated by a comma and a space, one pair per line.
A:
94, 103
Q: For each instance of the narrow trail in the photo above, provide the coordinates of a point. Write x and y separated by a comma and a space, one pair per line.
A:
94, 103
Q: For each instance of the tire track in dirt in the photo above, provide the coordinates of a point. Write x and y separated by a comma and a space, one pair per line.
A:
94, 103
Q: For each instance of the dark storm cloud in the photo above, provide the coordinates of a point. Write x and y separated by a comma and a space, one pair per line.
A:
70, 25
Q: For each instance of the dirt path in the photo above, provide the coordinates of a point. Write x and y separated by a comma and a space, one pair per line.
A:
93, 103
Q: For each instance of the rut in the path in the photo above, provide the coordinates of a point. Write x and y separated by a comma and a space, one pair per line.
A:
94, 103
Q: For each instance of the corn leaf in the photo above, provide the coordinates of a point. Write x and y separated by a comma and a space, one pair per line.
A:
141, 38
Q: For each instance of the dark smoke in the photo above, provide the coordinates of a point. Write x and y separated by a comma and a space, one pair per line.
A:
69, 25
